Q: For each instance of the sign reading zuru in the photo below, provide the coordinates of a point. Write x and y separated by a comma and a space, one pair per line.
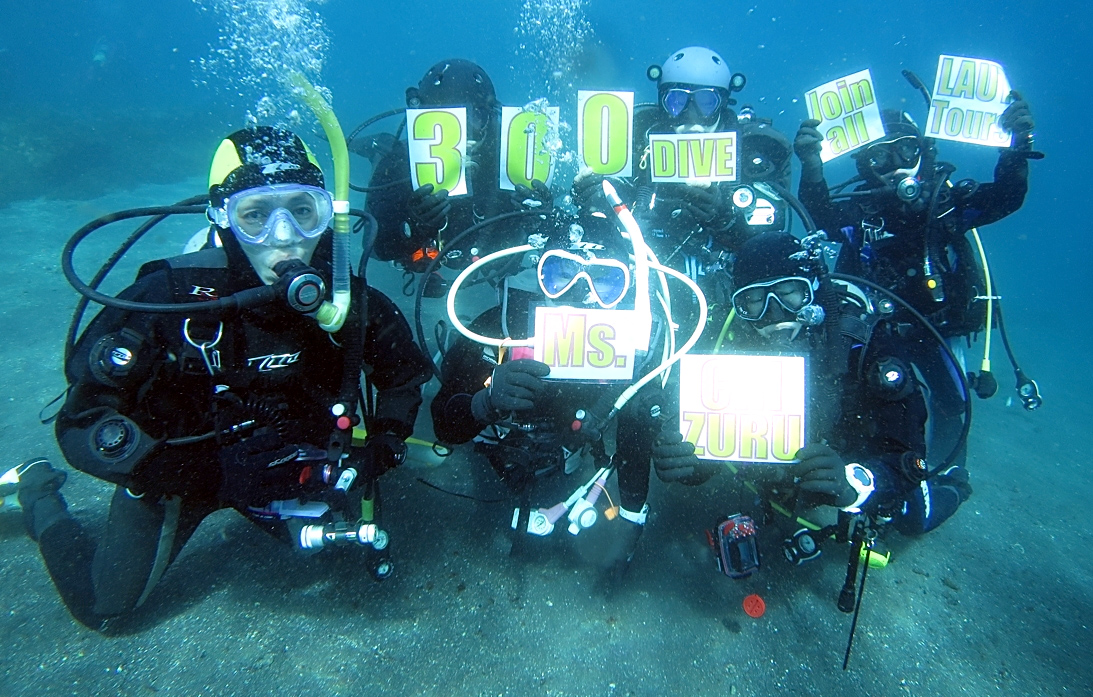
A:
585, 343
743, 408
437, 140
848, 113
969, 96
524, 153
605, 124
693, 157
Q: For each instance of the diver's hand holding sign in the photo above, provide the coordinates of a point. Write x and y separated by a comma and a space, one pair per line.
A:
537, 196
807, 144
830, 479
427, 208
514, 387
675, 460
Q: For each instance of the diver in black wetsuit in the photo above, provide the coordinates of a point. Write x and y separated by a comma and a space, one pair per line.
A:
413, 226
905, 227
530, 427
695, 228
866, 408
188, 414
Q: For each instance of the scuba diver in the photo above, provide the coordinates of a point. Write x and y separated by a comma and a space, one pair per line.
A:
696, 227
867, 415
904, 226
413, 225
251, 407
529, 426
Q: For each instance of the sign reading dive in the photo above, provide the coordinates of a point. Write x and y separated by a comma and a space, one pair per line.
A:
970, 95
743, 408
585, 343
605, 124
693, 157
437, 143
848, 113
525, 156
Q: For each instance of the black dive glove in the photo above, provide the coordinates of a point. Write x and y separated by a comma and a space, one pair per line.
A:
1017, 119
704, 204
821, 474
588, 191
427, 208
259, 469
537, 197
381, 453
807, 144
514, 387
675, 461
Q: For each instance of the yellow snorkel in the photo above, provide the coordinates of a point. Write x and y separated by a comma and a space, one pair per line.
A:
331, 315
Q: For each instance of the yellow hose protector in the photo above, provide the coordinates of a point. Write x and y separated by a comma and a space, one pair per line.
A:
332, 315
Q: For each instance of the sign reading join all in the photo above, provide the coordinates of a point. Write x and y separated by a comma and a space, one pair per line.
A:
693, 157
848, 114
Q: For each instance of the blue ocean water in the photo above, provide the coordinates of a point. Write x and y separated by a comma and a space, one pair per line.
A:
108, 104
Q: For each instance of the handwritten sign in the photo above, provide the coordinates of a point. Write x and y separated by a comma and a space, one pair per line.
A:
524, 153
970, 95
585, 343
605, 124
743, 408
437, 140
693, 157
848, 113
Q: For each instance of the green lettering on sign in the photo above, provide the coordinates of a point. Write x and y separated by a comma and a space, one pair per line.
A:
725, 165
528, 159
721, 438
664, 158
787, 436
565, 340
696, 421
443, 129
601, 353
701, 157
606, 133
965, 80
943, 89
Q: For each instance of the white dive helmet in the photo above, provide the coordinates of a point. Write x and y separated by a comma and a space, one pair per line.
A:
696, 65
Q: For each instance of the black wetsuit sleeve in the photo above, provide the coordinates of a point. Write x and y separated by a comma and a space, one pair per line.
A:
396, 367
878, 433
389, 207
995, 200
463, 373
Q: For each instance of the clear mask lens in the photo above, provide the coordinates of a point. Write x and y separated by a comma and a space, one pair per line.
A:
608, 280
793, 294
257, 214
706, 100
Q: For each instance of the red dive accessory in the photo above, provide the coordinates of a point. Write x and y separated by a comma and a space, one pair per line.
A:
734, 544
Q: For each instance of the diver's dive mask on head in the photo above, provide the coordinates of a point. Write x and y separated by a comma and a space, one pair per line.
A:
793, 293
608, 280
255, 214
706, 99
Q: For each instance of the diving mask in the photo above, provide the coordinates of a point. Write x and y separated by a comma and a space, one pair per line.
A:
255, 214
886, 157
706, 99
793, 293
608, 280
